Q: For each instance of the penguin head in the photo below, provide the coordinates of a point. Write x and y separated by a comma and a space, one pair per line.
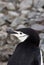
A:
26, 35
22, 36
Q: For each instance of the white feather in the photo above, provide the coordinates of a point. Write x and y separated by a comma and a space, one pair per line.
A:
22, 37
41, 57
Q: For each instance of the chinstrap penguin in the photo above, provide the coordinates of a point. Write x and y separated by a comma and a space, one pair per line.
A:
28, 51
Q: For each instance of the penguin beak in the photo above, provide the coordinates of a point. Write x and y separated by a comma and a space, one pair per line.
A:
10, 31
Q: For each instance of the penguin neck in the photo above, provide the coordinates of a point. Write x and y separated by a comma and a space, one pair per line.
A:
28, 42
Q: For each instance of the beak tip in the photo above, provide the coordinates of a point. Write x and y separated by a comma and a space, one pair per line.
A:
10, 31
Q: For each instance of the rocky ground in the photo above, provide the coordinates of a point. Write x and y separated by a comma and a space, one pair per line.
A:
15, 14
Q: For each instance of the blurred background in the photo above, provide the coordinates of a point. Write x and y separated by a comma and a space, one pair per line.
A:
15, 14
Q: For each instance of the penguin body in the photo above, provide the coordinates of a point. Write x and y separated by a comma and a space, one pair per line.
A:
28, 51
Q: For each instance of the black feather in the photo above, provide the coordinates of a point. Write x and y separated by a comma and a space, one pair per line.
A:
27, 52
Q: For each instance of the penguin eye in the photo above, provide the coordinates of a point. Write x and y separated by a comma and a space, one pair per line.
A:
20, 32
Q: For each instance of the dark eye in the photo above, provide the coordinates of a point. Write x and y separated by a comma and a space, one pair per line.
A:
20, 33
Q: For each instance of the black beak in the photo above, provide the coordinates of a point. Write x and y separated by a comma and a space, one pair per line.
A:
10, 31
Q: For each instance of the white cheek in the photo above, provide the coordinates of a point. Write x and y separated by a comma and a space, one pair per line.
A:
23, 38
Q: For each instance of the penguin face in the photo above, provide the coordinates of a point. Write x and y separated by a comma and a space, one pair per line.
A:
26, 34
20, 35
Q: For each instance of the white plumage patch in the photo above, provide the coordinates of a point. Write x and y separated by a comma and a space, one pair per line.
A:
41, 57
20, 35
